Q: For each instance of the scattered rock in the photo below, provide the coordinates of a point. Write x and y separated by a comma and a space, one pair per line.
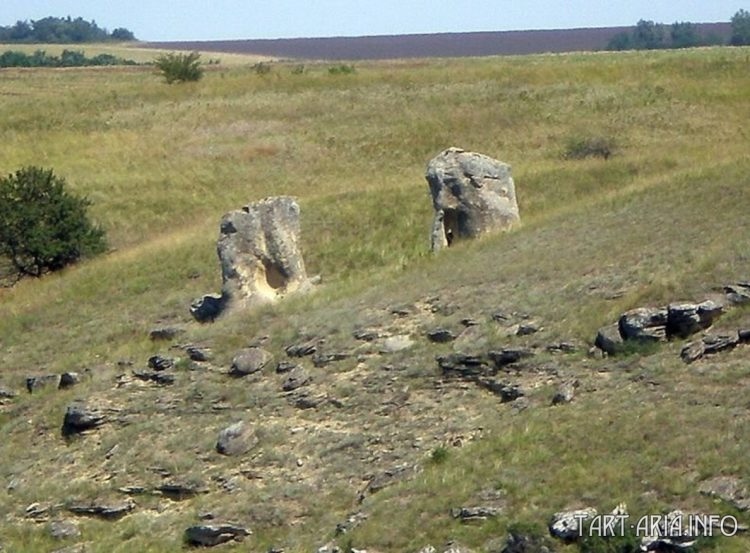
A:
63, 529
509, 356
568, 525
80, 418
197, 354
394, 344
708, 345
34, 383
743, 335
526, 329
165, 333
366, 334
39, 511
303, 349
309, 401
562, 347
667, 537
385, 479
645, 324
464, 366
178, 491
440, 335
236, 439
474, 514
209, 535
506, 392
728, 488
104, 510
685, 319
297, 378
208, 308
321, 360
472, 194
132, 490
609, 339
285, 367
68, 380
160, 363
5, 393
351, 522
565, 393
738, 293
163, 379
249, 361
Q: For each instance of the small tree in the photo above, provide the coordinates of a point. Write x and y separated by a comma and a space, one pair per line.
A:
178, 67
741, 28
43, 227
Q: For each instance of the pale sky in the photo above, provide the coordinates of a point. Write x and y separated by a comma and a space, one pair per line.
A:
235, 19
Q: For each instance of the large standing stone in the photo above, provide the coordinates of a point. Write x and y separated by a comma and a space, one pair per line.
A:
258, 248
472, 194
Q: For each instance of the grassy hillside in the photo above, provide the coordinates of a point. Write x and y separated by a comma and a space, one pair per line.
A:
663, 219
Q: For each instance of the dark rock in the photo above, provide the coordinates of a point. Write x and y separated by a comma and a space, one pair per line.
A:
209, 535
728, 488
440, 335
79, 418
506, 392
297, 378
743, 335
236, 439
464, 366
307, 401
302, 349
685, 319
249, 361
508, 356
645, 324
472, 194
386, 478
468, 321
34, 383
285, 366
163, 379
667, 538
132, 490
68, 380
208, 308
717, 343
366, 334
569, 525
165, 333
159, 363
738, 293
5, 393
321, 360
180, 491
609, 339
197, 354
105, 510
63, 529
693, 351
526, 329
474, 514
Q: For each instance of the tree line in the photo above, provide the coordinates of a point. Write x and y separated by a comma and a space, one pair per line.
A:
68, 58
62, 31
649, 35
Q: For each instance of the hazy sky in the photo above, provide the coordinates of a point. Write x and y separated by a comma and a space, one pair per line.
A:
228, 19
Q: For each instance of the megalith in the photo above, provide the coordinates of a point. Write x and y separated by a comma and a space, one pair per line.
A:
258, 248
472, 194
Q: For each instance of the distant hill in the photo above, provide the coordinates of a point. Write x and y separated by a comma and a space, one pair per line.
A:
426, 45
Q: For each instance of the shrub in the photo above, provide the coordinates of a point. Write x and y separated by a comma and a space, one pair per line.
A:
439, 455
740, 28
262, 68
341, 69
592, 146
177, 67
42, 226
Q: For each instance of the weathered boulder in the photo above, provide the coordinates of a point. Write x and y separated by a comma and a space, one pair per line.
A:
738, 293
258, 249
296, 378
236, 439
708, 345
249, 361
79, 418
609, 339
63, 529
646, 324
685, 319
728, 488
568, 525
472, 194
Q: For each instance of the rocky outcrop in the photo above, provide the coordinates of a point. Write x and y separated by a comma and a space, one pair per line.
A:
209, 535
472, 194
568, 525
258, 249
79, 418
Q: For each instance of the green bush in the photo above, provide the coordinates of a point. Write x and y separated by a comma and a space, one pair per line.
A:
341, 69
178, 67
42, 226
592, 146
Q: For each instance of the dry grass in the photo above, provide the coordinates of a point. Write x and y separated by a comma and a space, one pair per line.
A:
660, 220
